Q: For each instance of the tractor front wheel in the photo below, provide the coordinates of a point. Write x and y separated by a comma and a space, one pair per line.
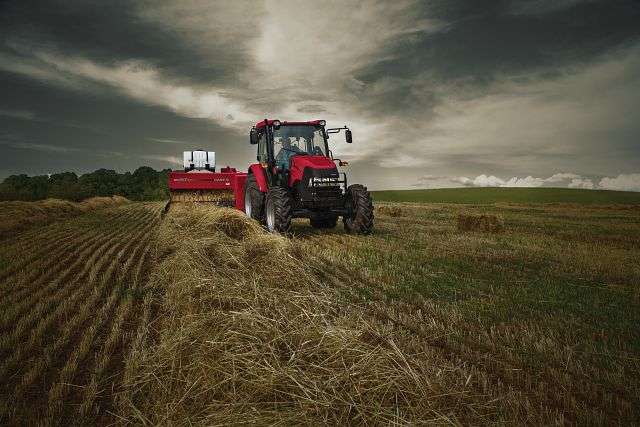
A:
278, 210
253, 199
359, 219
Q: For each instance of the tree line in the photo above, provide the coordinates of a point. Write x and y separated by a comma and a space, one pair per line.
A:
144, 183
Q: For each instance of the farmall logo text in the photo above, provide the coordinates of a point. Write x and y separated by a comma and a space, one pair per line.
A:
323, 182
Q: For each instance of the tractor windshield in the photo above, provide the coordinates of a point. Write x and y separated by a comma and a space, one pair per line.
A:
298, 139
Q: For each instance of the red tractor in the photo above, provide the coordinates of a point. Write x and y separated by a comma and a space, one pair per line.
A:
297, 177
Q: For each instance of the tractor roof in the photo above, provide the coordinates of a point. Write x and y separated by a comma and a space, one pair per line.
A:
267, 122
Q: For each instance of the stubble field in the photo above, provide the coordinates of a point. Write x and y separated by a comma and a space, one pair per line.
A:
121, 314
69, 308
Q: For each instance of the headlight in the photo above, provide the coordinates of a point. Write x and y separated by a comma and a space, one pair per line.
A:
322, 122
276, 123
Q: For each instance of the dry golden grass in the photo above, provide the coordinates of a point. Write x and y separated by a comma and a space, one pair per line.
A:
17, 216
543, 314
249, 334
58, 315
203, 318
58, 274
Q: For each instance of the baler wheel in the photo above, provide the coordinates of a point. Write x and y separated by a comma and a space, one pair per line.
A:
358, 202
278, 210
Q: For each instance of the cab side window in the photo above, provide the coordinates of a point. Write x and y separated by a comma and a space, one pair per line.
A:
262, 148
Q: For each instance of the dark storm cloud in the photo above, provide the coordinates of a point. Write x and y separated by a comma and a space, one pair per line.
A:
482, 41
437, 88
94, 131
112, 31
510, 87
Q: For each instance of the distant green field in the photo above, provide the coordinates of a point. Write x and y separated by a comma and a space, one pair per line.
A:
508, 195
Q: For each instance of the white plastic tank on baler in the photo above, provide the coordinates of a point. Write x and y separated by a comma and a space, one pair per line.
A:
199, 160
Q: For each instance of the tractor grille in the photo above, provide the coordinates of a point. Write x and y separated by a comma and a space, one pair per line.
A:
323, 197
321, 188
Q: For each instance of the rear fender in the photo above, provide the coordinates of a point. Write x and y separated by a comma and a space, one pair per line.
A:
261, 177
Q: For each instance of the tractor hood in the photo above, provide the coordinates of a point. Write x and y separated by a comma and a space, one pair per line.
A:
314, 162
319, 166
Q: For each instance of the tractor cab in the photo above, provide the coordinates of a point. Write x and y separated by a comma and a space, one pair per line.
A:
298, 140
287, 148
297, 168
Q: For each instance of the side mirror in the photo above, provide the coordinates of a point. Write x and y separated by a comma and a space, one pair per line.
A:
348, 136
253, 137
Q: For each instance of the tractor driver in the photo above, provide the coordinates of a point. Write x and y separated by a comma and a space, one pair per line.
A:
286, 153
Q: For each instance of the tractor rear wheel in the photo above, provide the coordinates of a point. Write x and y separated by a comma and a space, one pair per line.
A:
359, 219
324, 221
278, 210
253, 199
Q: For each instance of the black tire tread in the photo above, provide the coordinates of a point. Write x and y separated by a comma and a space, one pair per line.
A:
361, 221
257, 198
283, 208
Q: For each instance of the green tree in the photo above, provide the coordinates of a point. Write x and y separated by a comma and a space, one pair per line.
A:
103, 182
65, 186
144, 183
23, 187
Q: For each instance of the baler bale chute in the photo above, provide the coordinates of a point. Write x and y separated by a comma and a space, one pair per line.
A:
201, 183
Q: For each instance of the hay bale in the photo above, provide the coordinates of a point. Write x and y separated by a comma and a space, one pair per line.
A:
394, 211
482, 222
101, 202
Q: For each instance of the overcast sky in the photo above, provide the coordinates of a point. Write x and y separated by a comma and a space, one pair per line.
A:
438, 93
